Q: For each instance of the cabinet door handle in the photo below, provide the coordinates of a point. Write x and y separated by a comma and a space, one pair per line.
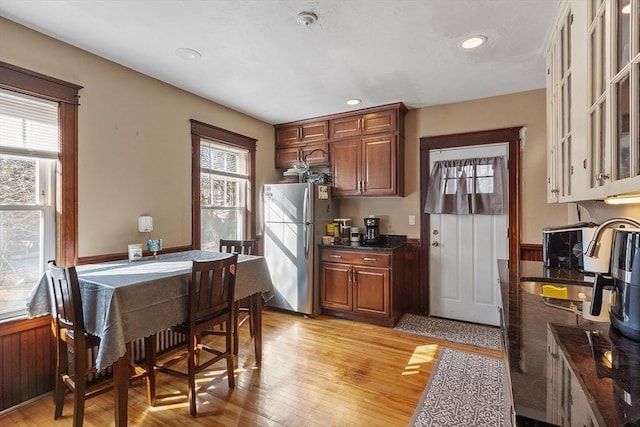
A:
370, 259
335, 256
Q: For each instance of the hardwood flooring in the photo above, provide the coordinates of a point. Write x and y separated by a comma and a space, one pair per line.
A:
319, 371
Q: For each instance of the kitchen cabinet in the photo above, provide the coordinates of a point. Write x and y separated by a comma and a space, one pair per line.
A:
566, 103
303, 132
363, 124
295, 141
593, 101
316, 154
368, 166
367, 152
359, 285
567, 402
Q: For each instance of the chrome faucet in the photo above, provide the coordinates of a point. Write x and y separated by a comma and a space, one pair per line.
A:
594, 244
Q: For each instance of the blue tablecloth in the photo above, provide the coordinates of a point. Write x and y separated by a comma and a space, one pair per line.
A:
124, 301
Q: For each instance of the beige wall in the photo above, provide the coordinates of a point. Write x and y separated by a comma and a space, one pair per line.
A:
134, 151
520, 109
134, 148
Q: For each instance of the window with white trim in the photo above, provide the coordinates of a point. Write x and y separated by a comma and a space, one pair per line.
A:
224, 178
29, 144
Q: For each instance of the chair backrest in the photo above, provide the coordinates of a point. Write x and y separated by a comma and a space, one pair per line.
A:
211, 288
244, 247
66, 292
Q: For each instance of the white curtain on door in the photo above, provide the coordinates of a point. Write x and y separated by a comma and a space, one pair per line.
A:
466, 186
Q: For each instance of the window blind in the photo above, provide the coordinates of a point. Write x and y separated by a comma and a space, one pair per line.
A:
28, 125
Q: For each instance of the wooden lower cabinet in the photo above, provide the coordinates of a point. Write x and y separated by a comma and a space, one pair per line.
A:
358, 284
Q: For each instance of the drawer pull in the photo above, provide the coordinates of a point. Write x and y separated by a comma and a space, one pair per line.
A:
370, 259
335, 256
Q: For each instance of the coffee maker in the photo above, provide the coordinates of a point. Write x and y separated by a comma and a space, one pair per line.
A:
372, 232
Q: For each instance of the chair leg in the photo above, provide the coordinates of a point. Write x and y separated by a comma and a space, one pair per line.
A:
191, 373
150, 346
230, 341
80, 366
236, 314
62, 368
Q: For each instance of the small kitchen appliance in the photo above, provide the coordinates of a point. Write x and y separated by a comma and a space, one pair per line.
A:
344, 225
372, 233
562, 247
625, 279
355, 236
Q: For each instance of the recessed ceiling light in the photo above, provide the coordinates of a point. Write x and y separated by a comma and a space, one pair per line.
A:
188, 54
474, 42
353, 102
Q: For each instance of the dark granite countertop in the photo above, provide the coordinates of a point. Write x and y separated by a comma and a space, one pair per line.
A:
613, 393
388, 242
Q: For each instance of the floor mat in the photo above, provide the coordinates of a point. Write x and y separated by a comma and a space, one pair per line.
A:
451, 330
465, 389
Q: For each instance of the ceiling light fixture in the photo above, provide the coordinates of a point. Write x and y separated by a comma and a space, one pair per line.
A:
474, 42
306, 18
353, 102
188, 54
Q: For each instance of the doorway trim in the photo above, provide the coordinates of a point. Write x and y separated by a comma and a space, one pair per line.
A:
508, 135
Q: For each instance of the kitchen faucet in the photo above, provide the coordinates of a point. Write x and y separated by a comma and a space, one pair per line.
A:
592, 249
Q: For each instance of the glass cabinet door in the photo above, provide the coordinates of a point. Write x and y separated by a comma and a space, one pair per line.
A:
598, 154
621, 86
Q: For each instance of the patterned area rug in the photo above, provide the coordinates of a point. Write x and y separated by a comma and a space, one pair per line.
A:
465, 389
451, 330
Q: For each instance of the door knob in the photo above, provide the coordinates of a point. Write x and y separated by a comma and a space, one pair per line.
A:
435, 244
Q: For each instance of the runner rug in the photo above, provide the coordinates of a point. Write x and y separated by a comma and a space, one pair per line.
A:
451, 330
465, 389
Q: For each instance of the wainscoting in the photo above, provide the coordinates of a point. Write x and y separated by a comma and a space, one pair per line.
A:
27, 360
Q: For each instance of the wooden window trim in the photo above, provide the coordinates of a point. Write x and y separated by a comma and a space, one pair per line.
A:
202, 130
20, 80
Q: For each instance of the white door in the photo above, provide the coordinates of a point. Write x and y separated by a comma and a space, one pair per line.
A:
463, 271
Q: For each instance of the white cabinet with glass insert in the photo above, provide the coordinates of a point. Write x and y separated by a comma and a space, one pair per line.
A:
624, 87
566, 64
593, 124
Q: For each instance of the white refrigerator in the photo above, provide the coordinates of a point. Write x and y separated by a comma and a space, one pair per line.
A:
295, 217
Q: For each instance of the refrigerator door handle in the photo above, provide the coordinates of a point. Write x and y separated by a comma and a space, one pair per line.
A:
305, 216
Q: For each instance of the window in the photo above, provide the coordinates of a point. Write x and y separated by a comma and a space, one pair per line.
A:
28, 149
223, 189
223, 185
38, 180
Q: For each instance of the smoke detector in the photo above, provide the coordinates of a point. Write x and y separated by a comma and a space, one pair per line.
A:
306, 18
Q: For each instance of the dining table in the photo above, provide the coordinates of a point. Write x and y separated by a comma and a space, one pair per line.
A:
126, 300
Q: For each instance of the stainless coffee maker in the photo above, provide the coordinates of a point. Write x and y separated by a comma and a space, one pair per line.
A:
372, 232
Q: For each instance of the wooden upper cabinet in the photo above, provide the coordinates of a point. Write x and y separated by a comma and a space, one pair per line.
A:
315, 154
363, 124
302, 133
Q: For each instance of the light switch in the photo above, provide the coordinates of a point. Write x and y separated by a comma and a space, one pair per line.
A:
412, 220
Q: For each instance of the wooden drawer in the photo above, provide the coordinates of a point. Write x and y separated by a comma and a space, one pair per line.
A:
372, 259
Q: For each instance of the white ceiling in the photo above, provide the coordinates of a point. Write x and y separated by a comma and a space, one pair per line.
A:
257, 60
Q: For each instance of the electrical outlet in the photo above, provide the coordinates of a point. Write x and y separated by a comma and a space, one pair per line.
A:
412, 220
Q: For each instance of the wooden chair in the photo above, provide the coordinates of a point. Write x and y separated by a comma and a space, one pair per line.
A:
245, 247
210, 303
68, 329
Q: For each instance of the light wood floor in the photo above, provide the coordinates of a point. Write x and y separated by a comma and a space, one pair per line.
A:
315, 372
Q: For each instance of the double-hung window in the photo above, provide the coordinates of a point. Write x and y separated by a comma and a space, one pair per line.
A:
29, 141
223, 193
223, 185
